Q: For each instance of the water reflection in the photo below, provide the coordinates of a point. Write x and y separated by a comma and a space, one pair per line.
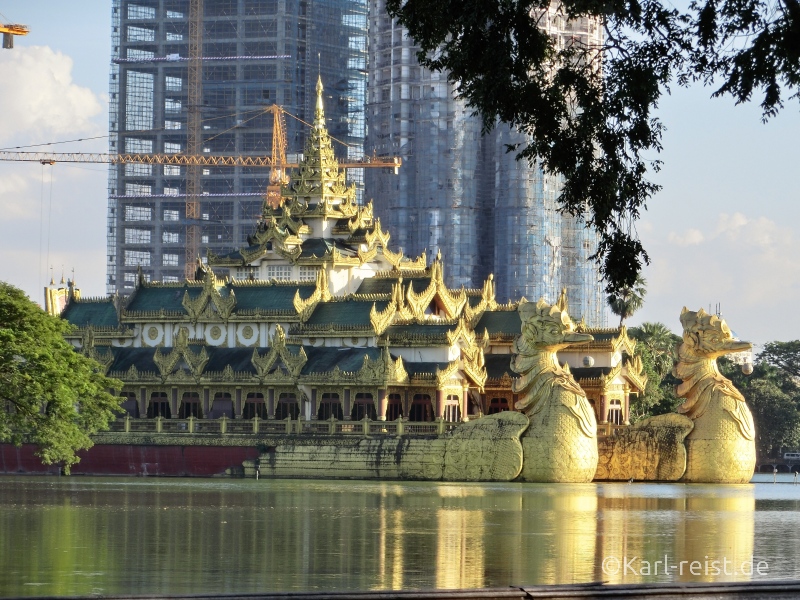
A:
71, 536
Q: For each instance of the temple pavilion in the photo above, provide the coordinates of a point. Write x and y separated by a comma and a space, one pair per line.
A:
318, 318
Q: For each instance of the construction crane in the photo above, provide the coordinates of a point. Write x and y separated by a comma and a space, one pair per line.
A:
184, 160
277, 162
194, 142
9, 31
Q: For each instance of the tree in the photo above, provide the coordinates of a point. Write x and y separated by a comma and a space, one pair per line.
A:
783, 355
774, 400
656, 346
587, 108
50, 395
661, 344
628, 299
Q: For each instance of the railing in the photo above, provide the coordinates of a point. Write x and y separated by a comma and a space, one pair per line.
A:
610, 429
301, 426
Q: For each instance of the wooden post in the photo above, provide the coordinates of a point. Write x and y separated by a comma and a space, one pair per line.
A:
237, 404
439, 404
382, 404
175, 404
603, 416
271, 403
347, 407
142, 403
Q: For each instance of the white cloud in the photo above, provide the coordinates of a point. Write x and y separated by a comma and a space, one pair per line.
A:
691, 237
13, 186
748, 264
731, 225
46, 225
40, 101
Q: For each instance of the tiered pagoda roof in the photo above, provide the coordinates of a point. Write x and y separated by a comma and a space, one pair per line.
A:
367, 316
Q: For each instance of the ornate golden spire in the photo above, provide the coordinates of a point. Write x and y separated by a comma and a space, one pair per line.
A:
319, 113
320, 183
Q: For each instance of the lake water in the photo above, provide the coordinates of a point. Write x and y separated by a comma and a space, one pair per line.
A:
81, 535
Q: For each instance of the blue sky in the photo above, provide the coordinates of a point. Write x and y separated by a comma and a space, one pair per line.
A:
723, 230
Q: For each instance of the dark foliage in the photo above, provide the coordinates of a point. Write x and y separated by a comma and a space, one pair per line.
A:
589, 111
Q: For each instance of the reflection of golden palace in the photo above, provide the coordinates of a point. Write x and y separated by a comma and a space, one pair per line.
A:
561, 443
721, 447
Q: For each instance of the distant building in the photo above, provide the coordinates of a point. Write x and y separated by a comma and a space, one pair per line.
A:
460, 193
255, 53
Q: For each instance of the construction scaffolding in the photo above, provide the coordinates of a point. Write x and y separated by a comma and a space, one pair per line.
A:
460, 193
253, 54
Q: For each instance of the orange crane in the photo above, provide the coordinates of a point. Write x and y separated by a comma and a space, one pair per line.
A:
203, 160
277, 162
9, 31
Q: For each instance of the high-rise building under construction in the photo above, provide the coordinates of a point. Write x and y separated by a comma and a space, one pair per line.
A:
248, 54
460, 192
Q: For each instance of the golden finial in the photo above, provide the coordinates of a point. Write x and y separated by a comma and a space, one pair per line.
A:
562, 301
319, 115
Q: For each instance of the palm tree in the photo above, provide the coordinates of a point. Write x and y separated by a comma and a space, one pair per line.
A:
661, 343
628, 300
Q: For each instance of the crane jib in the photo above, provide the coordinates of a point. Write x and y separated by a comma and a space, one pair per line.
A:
181, 159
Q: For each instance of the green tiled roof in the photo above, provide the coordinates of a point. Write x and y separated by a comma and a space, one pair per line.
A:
320, 246
604, 336
383, 285
270, 297
154, 298
348, 312
142, 358
420, 329
237, 254
413, 368
501, 321
238, 358
324, 359
497, 365
97, 314
590, 372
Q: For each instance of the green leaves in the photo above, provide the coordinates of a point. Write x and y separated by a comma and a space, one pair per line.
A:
656, 345
587, 102
50, 395
628, 299
774, 399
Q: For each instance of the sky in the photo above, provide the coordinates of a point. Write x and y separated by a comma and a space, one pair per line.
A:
722, 232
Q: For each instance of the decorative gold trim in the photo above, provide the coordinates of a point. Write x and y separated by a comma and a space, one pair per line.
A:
166, 363
88, 349
634, 372
443, 376
381, 321
293, 362
209, 296
321, 293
